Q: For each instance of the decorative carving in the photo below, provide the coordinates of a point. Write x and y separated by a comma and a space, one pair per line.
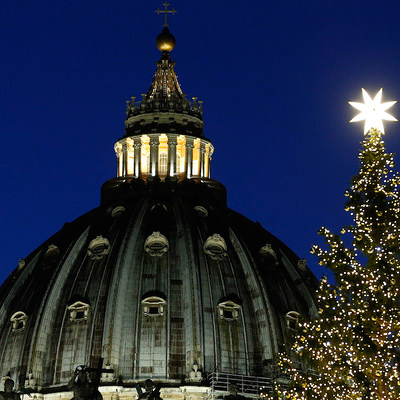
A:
19, 320
118, 149
98, 248
172, 143
215, 247
268, 252
292, 319
21, 264
51, 256
8, 393
201, 211
302, 264
79, 311
52, 250
30, 381
156, 244
154, 141
117, 211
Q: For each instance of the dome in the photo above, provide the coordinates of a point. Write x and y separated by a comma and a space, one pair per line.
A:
162, 281
214, 297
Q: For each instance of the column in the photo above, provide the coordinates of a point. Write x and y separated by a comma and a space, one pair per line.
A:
209, 158
154, 143
188, 157
120, 160
172, 143
202, 159
137, 144
124, 159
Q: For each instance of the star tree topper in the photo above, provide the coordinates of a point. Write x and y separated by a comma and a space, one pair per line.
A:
373, 111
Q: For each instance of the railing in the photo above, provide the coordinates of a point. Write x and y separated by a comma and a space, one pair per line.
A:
164, 103
252, 386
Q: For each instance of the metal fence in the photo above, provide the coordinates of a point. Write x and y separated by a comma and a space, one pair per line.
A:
252, 386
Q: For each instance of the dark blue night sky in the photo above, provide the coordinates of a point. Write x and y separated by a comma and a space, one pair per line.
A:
275, 77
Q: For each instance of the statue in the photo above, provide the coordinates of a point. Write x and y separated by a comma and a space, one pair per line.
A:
86, 381
233, 393
8, 393
84, 384
152, 391
195, 375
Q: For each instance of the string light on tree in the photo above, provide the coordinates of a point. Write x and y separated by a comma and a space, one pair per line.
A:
373, 111
351, 350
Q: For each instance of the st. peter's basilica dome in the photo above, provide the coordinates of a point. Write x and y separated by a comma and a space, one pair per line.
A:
163, 281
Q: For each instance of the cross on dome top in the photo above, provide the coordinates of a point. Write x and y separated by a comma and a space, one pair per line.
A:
166, 12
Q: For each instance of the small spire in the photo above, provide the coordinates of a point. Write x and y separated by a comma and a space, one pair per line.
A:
165, 12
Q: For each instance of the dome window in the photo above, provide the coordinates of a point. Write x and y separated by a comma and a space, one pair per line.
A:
156, 244
117, 211
79, 311
229, 307
229, 311
153, 304
292, 319
215, 247
201, 211
98, 248
19, 320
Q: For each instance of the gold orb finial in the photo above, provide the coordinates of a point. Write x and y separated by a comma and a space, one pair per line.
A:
165, 41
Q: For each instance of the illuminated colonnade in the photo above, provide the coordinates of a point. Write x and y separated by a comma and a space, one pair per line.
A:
163, 155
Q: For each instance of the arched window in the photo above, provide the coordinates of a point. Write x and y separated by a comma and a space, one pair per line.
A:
163, 162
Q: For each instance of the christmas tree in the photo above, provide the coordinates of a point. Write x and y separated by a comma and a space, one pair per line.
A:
352, 350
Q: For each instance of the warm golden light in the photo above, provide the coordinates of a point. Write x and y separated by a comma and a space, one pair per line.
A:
373, 112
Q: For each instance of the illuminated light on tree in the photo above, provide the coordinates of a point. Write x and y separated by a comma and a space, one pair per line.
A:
352, 350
